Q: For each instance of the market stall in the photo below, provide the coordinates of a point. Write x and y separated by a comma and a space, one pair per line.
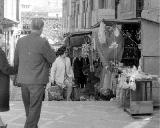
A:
80, 51
123, 46
6, 26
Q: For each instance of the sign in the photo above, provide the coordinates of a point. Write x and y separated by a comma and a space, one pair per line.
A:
1, 9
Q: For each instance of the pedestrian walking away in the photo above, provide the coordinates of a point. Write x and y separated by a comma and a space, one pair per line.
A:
33, 57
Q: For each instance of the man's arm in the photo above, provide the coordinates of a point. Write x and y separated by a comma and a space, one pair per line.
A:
16, 57
53, 72
5, 67
69, 69
48, 53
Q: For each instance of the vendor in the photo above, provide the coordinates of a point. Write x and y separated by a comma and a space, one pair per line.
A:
78, 73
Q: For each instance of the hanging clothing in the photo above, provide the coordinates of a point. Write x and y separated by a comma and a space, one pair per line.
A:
78, 72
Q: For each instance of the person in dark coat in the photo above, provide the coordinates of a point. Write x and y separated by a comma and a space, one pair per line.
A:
78, 72
33, 57
5, 71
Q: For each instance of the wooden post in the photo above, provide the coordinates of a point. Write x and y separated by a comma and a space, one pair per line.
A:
2, 125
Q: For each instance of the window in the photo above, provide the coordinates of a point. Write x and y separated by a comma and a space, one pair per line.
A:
140, 4
102, 4
127, 5
139, 7
78, 9
92, 4
84, 6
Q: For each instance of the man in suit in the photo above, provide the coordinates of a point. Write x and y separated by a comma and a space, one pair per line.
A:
33, 57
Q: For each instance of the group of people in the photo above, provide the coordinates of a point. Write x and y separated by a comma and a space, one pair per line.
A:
32, 63
80, 64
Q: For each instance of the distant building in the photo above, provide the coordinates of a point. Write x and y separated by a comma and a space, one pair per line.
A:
49, 10
52, 8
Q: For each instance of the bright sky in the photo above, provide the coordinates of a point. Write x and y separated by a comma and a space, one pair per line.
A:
40, 3
54, 7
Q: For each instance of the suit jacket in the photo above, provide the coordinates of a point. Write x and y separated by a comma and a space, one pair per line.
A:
77, 66
33, 57
5, 71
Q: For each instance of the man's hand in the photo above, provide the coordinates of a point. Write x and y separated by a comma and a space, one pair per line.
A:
13, 77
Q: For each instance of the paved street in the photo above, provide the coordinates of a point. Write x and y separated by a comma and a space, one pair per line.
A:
80, 115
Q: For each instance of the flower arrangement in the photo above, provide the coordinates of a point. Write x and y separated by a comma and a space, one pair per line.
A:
85, 49
129, 76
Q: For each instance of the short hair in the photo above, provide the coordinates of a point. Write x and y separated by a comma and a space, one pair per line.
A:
37, 24
61, 50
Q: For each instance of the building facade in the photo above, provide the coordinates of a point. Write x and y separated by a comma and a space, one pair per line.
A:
9, 18
1, 9
11, 9
49, 10
82, 14
148, 9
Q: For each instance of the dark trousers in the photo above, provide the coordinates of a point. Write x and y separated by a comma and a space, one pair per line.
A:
32, 96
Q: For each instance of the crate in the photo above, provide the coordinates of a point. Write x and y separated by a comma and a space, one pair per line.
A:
156, 93
2, 125
139, 101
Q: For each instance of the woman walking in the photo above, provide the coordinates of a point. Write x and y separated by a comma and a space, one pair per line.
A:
61, 71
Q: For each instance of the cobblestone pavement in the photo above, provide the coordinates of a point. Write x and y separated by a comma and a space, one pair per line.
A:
88, 114
15, 93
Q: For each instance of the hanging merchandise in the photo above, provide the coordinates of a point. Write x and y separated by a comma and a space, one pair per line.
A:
116, 32
85, 49
129, 76
113, 45
101, 33
112, 50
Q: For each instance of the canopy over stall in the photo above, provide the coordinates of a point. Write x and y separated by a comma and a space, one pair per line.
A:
7, 22
76, 39
110, 22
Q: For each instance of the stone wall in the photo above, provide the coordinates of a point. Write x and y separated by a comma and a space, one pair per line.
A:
87, 15
151, 10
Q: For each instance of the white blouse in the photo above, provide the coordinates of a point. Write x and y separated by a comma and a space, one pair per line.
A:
59, 68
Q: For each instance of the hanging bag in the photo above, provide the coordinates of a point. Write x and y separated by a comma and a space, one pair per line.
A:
55, 92
67, 80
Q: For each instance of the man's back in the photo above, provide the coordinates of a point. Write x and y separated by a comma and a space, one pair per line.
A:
33, 56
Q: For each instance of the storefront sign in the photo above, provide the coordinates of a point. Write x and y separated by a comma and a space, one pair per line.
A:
1, 9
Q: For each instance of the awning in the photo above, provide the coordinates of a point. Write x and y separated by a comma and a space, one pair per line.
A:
7, 22
80, 33
110, 22
76, 39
